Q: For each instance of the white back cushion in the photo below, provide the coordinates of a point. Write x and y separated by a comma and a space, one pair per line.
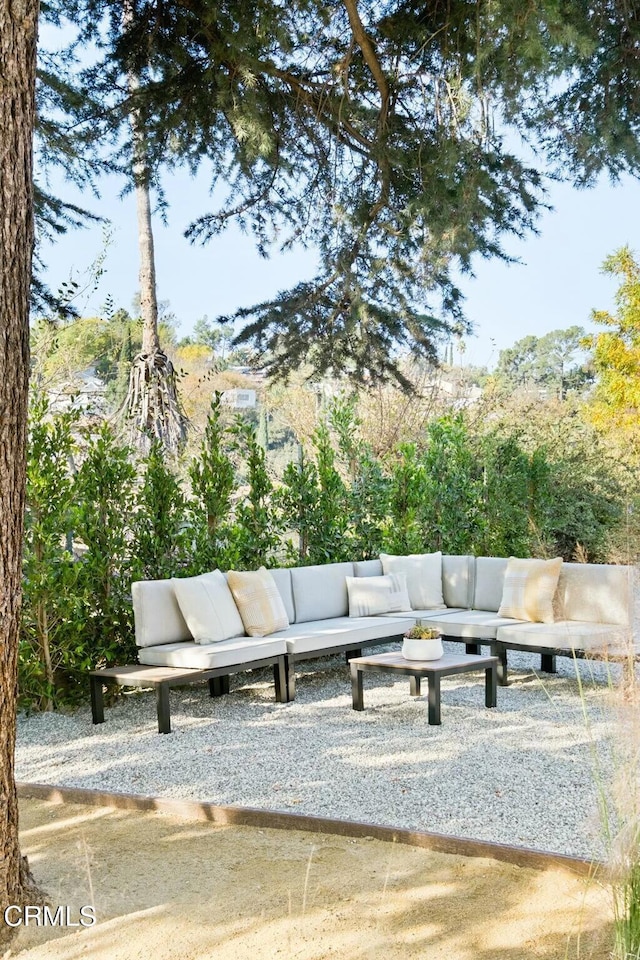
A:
595, 592
489, 576
368, 568
208, 607
282, 577
457, 580
156, 613
320, 592
424, 577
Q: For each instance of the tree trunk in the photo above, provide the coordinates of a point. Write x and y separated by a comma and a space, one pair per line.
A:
147, 272
152, 405
18, 29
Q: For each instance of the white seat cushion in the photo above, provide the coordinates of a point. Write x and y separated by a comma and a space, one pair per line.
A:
569, 635
469, 624
339, 631
208, 607
225, 653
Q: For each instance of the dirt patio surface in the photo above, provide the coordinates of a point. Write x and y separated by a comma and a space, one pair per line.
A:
173, 889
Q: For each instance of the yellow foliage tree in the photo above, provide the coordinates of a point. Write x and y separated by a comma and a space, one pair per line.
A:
616, 354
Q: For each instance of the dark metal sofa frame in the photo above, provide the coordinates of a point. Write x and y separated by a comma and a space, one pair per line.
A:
162, 679
547, 655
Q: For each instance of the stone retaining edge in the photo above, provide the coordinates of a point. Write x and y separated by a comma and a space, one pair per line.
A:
280, 820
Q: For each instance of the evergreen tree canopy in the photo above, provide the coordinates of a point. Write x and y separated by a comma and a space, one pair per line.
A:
555, 361
381, 133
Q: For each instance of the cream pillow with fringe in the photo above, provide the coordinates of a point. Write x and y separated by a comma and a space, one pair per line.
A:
529, 589
258, 600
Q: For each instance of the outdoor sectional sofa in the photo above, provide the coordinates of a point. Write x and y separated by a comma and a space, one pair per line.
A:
593, 612
592, 605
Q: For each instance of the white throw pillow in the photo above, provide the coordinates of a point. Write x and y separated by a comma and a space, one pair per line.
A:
259, 602
369, 596
207, 605
529, 589
424, 577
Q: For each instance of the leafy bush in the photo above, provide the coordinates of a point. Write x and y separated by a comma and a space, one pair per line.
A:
160, 526
105, 496
51, 614
212, 482
256, 528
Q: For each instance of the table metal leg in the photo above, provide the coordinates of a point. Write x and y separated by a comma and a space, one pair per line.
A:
491, 686
162, 699
356, 687
472, 648
97, 702
434, 699
414, 686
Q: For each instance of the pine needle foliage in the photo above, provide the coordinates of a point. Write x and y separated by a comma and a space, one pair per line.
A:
384, 135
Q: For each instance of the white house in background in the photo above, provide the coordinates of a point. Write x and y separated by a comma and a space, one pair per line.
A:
463, 395
84, 392
240, 398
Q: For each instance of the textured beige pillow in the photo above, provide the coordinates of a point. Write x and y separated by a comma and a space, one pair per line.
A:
529, 588
208, 607
259, 601
369, 596
424, 577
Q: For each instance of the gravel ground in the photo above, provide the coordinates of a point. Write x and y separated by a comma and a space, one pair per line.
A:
528, 773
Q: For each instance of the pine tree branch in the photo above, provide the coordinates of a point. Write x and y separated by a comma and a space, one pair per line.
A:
363, 40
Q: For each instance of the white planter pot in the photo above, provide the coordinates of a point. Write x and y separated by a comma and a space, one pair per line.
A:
413, 649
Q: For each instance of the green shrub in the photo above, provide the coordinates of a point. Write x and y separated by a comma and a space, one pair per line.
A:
51, 607
160, 526
256, 529
212, 482
105, 496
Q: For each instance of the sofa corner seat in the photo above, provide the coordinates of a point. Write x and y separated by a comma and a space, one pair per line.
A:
592, 604
164, 640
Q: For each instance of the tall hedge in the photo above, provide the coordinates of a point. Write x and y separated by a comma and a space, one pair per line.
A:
97, 519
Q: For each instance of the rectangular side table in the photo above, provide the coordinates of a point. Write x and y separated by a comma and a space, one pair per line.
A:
433, 670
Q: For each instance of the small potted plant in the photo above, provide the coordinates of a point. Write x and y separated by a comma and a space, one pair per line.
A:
422, 643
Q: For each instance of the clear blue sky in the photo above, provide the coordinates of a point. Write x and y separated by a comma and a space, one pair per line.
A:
557, 284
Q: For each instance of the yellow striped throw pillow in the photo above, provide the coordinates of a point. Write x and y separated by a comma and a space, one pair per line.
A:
529, 588
258, 601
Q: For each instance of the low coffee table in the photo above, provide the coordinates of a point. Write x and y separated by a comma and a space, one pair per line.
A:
433, 670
